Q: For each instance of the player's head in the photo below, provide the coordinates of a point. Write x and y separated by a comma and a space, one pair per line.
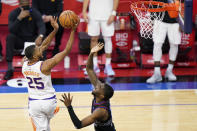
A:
33, 52
24, 3
103, 91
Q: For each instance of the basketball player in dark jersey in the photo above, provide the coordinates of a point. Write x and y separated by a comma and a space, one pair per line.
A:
101, 112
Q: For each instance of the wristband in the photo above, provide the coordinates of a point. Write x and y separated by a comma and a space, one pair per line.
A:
41, 35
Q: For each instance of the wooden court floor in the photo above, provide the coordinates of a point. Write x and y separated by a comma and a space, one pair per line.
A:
167, 110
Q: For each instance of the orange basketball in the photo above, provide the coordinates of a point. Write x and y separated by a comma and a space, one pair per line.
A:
68, 19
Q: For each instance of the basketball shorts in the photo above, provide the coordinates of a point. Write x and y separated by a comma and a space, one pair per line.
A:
97, 26
41, 111
161, 29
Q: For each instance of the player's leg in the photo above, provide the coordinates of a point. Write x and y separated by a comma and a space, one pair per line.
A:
38, 117
49, 108
159, 34
174, 36
12, 41
107, 32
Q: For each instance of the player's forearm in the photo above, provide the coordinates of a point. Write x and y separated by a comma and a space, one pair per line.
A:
48, 40
74, 118
59, 57
89, 65
115, 5
85, 5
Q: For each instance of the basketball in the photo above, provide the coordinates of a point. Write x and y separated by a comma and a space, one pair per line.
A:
68, 19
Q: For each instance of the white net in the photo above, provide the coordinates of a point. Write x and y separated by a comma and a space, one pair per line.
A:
146, 18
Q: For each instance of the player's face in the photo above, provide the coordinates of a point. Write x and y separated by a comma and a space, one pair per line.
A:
98, 90
38, 53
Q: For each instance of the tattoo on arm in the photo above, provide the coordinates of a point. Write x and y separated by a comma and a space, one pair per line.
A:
48, 40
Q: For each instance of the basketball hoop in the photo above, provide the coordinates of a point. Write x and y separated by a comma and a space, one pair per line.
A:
147, 12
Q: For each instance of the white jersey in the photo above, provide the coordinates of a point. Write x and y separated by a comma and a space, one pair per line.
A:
39, 84
100, 9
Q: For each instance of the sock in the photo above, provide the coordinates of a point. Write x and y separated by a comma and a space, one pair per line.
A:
95, 61
10, 67
108, 61
170, 67
157, 70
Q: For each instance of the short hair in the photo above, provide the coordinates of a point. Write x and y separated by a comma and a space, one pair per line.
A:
29, 51
108, 91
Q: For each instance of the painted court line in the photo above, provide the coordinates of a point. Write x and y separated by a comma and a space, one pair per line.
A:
195, 104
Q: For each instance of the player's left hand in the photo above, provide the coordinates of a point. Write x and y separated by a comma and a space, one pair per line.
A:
54, 23
67, 99
111, 19
96, 48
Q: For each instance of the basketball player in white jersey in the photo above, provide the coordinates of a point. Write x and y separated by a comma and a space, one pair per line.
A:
170, 27
42, 98
101, 17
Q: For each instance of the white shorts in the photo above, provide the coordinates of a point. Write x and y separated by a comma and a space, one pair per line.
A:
41, 111
97, 26
160, 30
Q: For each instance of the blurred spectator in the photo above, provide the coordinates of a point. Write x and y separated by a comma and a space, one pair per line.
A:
101, 18
23, 23
1, 55
49, 8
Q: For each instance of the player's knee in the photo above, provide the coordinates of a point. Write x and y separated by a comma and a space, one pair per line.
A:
108, 45
158, 45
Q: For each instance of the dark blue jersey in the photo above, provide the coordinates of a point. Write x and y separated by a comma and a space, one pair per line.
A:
107, 125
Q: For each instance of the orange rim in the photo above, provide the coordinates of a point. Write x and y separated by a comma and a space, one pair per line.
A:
162, 9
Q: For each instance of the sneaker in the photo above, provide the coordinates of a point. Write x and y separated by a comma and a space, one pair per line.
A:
8, 74
109, 71
96, 70
170, 76
154, 79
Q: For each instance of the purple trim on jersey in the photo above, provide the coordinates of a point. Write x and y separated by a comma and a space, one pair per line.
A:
41, 67
101, 107
102, 102
53, 97
32, 64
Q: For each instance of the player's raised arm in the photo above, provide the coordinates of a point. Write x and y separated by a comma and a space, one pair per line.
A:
50, 37
98, 114
89, 67
50, 63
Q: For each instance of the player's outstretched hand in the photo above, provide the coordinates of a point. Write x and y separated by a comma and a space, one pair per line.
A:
54, 23
67, 99
97, 48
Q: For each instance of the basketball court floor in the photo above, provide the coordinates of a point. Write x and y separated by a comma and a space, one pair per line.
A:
165, 106
136, 105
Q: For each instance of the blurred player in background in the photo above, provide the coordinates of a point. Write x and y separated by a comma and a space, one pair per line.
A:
101, 113
25, 25
48, 9
42, 98
170, 27
101, 18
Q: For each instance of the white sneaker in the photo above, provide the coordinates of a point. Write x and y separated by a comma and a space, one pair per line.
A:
96, 70
109, 71
154, 79
170, 76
